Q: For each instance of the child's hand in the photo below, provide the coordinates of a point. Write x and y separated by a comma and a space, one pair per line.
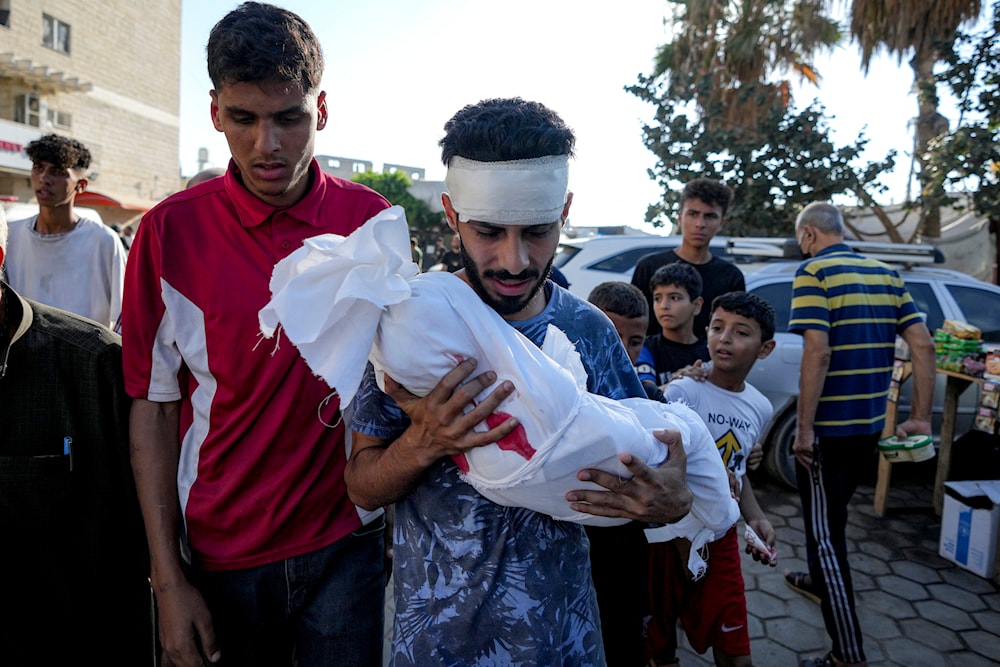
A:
760, 542
695, 371
755, 457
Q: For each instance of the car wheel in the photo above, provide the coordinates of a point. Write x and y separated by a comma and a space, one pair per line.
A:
779, 461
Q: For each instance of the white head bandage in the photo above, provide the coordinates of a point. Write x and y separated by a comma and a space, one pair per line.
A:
515, 192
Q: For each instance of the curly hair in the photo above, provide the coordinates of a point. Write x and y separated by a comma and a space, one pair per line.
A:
750, 306
503, 129
261, 42
710, 191
61, 152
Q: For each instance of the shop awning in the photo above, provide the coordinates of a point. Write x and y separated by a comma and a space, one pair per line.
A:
41, 76
90, 198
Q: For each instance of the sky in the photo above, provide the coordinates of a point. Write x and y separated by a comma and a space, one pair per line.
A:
397, 70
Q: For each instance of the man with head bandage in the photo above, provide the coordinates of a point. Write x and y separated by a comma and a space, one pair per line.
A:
478, 582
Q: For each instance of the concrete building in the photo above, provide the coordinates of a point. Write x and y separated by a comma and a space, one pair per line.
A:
106, 74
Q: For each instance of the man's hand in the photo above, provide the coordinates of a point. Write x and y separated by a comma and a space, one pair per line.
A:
185, 626
804, 447
652, 495
439, 424
913, 427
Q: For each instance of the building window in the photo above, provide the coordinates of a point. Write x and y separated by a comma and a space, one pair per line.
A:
5, 13
55, 33
27, 110
60, 119
360, 168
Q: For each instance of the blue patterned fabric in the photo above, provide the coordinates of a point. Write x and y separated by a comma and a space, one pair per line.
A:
481, 584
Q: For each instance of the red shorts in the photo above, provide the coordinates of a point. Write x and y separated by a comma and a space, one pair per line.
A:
712, 610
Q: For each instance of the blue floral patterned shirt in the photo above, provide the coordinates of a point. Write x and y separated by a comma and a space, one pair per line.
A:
480, 584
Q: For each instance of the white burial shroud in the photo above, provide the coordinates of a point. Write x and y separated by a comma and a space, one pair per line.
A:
336, 295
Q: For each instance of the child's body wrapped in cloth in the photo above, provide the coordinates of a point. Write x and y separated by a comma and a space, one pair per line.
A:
336, 295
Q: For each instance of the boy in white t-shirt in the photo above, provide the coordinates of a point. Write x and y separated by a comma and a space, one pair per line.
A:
712, 609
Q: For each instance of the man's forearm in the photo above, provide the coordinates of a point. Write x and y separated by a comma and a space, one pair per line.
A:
922, 356
155, 451
379, 472
812, 376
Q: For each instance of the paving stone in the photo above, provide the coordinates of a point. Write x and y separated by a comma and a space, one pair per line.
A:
992, 601
911, 654
886, 603
970, 659
878, 625
901, 587
956, 597
755, 628
915, 571
988, 621
945, 615
875, 549
926, 554
786, 511
862, 581
983, 643
797, 635
765, 606
771, 653
863, 562
930, 634
965, 580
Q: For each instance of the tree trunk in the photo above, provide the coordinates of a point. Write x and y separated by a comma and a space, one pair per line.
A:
929, 125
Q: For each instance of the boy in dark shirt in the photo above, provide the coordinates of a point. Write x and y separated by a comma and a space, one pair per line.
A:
703, 211
677, 350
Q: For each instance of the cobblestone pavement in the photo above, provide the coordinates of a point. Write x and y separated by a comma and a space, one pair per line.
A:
916, 608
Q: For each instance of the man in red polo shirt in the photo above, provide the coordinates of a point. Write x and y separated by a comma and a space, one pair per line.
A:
238, 449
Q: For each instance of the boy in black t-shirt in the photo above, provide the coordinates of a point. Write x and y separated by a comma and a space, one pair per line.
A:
703, 209
675, 351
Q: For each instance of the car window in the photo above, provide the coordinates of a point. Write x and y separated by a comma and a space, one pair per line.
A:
927, 303
981, 309
625, 260
563, 254
779, 295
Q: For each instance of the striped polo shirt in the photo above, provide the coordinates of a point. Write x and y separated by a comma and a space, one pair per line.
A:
862, 304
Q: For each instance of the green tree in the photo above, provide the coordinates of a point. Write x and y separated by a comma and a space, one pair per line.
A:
968, 158
424, 223
925, 30
723, 109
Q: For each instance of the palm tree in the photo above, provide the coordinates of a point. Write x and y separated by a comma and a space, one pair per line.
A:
927, 28
729, 52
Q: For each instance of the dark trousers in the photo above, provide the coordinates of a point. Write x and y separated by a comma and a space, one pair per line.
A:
826, 489
324, 608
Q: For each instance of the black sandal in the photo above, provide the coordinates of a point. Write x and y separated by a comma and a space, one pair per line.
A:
800, 582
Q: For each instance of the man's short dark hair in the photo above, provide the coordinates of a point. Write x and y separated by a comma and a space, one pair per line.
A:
679, 274
505, 129
750, 306
623, 299
61, 152
259, 42
710, 191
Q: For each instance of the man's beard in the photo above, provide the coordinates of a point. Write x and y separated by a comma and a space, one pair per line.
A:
503, 305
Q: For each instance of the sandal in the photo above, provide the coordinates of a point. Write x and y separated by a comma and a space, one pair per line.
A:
800, 582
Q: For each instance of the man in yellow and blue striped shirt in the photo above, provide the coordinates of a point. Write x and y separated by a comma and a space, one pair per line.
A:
849, 310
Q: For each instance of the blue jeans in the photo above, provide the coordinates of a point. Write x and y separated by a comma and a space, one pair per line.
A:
326, 607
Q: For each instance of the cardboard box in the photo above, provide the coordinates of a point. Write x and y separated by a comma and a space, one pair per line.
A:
969, 524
